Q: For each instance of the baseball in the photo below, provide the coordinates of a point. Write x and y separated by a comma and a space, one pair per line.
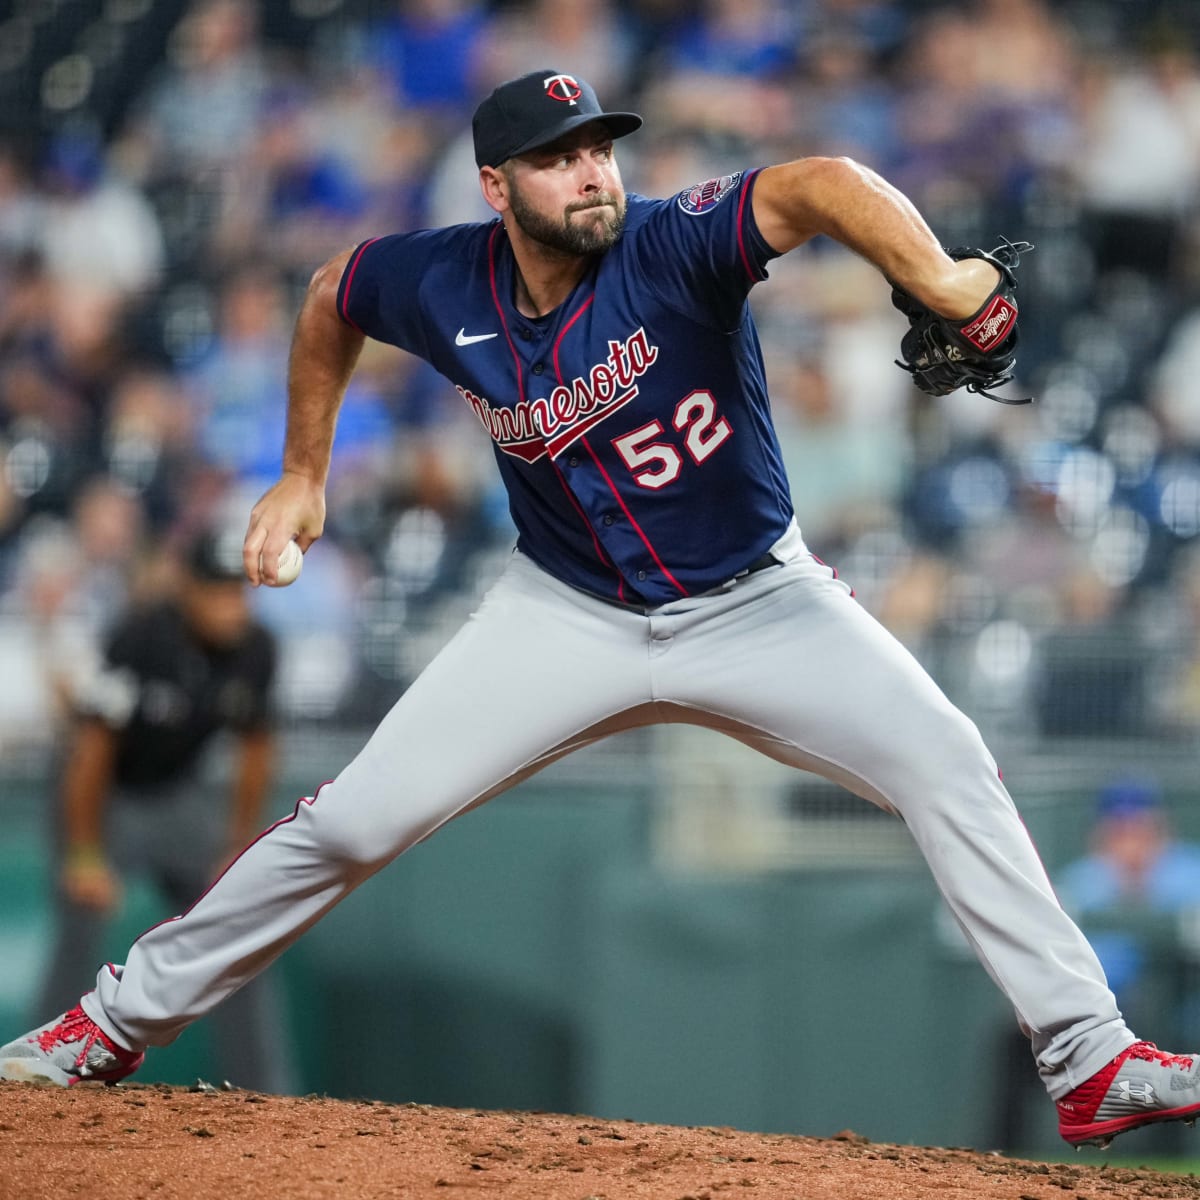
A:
291, 562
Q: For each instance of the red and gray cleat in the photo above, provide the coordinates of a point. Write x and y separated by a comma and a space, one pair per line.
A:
1141, 1086
70, 1049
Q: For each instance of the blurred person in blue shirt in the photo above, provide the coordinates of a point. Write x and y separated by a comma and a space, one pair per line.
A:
1135, 865
736, 37
237, 389
1128, 893
429, 51
1133, 894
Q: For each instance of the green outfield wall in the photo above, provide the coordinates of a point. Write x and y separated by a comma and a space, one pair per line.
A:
539, 954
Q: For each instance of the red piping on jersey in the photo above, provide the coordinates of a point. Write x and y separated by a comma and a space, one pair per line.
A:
500, 311
269, 829
638, 529
562, 333
607, 478
588, 526
741, 240
521, 396
350, 283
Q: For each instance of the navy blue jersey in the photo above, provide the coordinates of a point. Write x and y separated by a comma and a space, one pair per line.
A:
631, 424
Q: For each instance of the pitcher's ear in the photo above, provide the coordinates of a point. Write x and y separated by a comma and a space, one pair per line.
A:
494, 184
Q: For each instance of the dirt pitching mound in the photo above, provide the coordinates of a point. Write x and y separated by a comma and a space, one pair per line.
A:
152, 1142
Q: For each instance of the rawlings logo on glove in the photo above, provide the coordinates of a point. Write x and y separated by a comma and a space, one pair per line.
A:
992, 325
979, 353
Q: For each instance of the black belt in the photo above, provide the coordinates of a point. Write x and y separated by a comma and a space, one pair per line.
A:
759, 564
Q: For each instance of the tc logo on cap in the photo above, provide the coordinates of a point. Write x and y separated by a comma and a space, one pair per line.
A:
562, 88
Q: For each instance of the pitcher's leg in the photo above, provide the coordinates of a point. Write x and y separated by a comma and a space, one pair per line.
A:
825, 687
532, 674
249, 1031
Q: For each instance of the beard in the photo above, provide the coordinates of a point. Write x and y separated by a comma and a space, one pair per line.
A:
573, 237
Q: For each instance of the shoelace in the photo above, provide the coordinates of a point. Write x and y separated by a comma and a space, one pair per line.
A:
1149, 1052
75, 1026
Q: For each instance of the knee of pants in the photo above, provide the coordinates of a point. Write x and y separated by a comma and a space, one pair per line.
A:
364, 831
961, 746
950, 762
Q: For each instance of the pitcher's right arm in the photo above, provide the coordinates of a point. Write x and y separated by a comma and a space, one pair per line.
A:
324, 352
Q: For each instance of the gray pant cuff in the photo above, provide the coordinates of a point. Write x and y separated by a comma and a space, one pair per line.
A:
90, 1004
1090, 1058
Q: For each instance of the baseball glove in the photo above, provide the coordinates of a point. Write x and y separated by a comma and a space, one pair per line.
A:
943, 355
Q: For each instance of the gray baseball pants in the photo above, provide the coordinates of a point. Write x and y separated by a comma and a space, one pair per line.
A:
785, 660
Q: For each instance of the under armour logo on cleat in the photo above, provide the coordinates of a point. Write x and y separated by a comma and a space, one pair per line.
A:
1140, 1093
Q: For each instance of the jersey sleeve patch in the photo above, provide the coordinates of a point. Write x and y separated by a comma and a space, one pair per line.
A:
704, 197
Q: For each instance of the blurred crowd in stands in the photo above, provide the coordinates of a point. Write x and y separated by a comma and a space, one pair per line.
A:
171, 172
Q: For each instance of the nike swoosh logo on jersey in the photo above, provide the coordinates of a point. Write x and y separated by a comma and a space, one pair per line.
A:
463, 338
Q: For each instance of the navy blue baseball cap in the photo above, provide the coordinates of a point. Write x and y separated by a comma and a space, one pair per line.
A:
536, 109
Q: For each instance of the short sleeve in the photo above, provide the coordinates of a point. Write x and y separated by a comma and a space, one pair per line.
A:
110, 693
704, 251
380, 289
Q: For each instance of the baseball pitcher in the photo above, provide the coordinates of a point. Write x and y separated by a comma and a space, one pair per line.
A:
605, 344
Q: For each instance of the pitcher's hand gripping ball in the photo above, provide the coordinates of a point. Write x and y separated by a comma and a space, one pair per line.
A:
291, 563
979, 353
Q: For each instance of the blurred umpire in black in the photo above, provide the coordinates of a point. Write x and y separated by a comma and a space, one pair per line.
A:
132, 801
